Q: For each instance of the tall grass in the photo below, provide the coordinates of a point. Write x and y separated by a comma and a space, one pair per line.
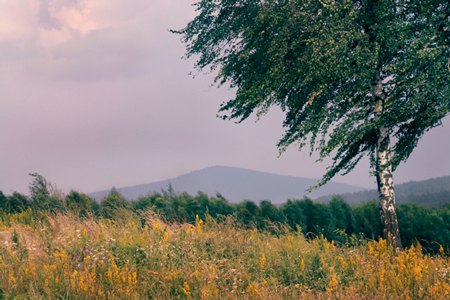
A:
60, 256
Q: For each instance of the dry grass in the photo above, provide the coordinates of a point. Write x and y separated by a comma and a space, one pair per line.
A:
63, 257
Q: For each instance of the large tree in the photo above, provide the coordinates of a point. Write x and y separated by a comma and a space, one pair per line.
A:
349, 75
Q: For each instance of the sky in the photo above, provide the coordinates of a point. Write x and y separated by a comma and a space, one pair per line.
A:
94, 94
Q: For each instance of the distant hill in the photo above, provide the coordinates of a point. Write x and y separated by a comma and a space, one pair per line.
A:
236, 185
431, 192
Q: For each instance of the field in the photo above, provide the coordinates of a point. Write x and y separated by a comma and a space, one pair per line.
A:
141, 256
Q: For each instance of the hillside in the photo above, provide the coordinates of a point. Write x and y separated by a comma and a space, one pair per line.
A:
435, 191
237, 184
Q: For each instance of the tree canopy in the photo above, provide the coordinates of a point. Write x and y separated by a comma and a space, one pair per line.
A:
320, 62
349, 74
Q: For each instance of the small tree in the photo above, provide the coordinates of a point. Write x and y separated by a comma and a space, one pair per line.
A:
113, 204
39, 192
44, 194
17, 203
349, 75
80, 203
38, 186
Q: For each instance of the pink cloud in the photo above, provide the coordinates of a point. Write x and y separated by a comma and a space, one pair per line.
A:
18, 19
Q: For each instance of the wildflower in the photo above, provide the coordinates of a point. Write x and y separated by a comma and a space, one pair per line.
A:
186, 288
197, 275
12, 279
252, 289
333, 283
157, 227
262, 262
198, 224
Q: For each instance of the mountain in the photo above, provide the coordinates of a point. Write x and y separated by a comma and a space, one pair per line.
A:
431, 192
236, 185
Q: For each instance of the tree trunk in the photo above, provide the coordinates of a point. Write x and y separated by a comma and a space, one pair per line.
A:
386, 193
385, 180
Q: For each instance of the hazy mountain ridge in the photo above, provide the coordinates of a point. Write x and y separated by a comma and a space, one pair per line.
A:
434, 191
236, 185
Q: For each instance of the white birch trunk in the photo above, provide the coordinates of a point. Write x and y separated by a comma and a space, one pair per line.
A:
385, 180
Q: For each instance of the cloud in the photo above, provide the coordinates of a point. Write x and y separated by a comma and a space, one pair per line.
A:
88, 40
18, 19
99, 55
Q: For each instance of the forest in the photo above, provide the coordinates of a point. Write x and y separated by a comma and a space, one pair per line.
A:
431, 192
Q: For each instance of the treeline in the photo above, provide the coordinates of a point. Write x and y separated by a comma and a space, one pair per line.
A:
431, 192
335, 220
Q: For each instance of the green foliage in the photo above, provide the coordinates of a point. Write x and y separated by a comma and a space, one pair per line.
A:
342, 214
431, 192
3, 201
247, 212
366, 220
269, 212
38, 188
328, 65
335, 220
42, 197
428, 226
112, 204
14, 203
80, 204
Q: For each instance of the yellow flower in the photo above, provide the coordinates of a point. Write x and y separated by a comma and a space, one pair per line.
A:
157, 227
186, 288
252, 290
333, 283
262, 262
197, 275
167, 236
198, 224
12, 279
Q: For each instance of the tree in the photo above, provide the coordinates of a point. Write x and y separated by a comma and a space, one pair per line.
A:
17, 203
80, 204
38, 187
342, 214
365, 219
44, 194
293, 214
113, 204
268, 213
247, 212
349, 75
4, 205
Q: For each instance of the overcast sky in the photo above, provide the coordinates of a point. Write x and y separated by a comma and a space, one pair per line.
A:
94, 94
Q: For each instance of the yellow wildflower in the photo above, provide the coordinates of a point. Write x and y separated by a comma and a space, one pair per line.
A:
186, 288
252, 290
262, 262
333, 283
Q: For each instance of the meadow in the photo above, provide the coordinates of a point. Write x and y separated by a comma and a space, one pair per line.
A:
63, 255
